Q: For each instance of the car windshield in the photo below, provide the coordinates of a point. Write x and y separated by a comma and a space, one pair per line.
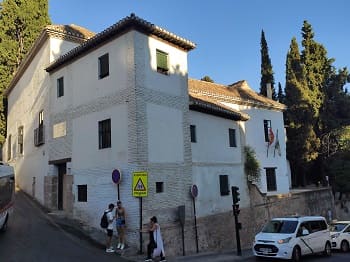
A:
280, 226
337, 227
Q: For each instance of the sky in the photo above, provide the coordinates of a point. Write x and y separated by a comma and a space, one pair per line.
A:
227, 33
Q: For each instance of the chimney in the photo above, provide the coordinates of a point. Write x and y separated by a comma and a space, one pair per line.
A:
268, 90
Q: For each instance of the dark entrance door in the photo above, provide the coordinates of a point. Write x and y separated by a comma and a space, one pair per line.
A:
61, 173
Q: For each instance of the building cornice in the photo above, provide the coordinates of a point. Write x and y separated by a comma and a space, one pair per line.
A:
125, 25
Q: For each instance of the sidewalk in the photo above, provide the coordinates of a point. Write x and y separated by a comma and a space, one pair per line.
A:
77, 229
224, 256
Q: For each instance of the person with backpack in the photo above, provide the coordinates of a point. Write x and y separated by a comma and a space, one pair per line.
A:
108, 215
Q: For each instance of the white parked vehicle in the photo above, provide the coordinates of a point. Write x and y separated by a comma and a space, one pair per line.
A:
293, 237
7, 193
340, 235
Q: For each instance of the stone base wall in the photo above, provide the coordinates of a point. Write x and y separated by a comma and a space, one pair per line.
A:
217, 232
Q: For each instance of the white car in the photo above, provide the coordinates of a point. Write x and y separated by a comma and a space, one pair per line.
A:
293, 237
340, 235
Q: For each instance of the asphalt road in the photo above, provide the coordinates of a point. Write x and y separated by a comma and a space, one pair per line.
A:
33, 237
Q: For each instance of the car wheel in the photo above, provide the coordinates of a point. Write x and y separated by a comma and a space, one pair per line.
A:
344, 246
4, 226
327, 249
296, 255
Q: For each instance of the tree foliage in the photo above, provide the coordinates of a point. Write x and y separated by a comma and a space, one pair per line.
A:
21, 22
318, 114
207, 79
266, 69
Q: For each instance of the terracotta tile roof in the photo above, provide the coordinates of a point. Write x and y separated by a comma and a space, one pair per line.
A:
237, 93
211, 106
74, 32
131, 22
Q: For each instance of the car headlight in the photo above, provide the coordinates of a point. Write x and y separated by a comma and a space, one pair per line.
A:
335, 235
283, 241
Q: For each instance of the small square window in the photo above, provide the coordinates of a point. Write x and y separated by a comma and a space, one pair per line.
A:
232, 137
159, 187
162, 62
224, 188
193, 133
103, 66
60, 87
82, 193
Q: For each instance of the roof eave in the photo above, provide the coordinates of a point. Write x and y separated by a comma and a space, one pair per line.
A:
125, 25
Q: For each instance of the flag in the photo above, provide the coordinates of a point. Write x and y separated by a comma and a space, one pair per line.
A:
271, 136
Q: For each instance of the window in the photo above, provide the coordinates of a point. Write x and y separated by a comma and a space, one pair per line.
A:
232, 137
271, 179
20, 140
82, 193
159, 187
39, 132
9, 147
103, 66
224, 190
60, 87
162, 62
104, 134
267, 126
193, 133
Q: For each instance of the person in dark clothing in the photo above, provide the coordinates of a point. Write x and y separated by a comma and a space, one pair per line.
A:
155, 246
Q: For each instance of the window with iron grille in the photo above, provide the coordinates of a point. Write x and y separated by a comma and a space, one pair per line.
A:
232, 137
224, 187
60, 87
162, 62
104, 133
193, 134
103, 66
20, 140
39, 138
271, 179
9, 147
267, 126
82, 193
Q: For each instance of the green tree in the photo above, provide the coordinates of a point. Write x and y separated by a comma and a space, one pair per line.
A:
298, 128
280, 95
266, 69
207, 79
21, 22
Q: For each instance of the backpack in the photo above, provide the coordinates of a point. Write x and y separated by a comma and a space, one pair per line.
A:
104, 220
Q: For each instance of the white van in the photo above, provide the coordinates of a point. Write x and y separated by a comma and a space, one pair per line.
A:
293, 237
7, 193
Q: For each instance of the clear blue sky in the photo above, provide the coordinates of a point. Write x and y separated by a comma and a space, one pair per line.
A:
227, 32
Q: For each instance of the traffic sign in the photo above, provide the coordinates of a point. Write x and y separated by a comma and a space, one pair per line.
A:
194, 191
116, 176
140, 184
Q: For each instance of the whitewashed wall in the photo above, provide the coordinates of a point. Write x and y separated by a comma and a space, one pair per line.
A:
25, 101
213, 157
267, 157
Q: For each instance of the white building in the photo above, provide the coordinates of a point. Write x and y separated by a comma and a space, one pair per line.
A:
83, 106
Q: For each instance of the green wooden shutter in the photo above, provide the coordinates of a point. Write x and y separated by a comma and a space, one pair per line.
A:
162, 60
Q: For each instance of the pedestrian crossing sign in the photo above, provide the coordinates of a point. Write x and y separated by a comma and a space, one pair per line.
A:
140, 184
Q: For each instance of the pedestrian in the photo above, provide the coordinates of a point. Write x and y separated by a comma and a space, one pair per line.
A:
110, 218
155, 246
120, 216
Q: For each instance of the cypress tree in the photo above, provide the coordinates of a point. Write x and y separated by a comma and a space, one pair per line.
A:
21, 22
266, 69
296, 115
280, 95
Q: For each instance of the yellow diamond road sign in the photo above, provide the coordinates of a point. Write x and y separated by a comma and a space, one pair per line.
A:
140, 184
